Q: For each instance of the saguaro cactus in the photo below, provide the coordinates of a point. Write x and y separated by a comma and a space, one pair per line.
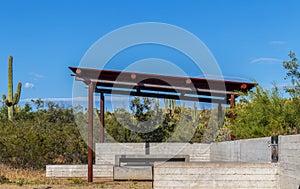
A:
12, 99
195, 113
170, 105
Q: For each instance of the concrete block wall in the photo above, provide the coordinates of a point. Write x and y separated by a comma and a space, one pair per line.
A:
249, 150
211, 175
289, 159
106, 152
198, 152
79, 171
252, 150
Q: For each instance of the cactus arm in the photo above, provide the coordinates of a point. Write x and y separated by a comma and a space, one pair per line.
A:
6, 101
4, 97
15, 99
17, 95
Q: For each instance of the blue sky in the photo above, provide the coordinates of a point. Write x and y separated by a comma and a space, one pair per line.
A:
249, 39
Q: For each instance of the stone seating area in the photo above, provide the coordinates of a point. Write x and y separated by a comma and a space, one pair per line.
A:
232, 164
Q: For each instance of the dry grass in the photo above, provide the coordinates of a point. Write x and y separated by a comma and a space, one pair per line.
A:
11, 178
18, 174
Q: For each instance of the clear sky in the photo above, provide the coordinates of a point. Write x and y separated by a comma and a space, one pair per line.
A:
249, 39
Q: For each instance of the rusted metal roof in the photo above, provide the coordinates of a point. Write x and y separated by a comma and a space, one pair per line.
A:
161, 86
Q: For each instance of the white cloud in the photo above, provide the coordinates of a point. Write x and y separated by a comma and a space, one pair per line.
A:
55, 99
223, 77
36, 75
79, 99
278, 42
29, 85
267, 60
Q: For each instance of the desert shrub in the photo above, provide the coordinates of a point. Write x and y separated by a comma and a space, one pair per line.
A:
37, 138
3, 179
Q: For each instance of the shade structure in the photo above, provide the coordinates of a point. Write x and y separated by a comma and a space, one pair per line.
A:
161, 86
155, 86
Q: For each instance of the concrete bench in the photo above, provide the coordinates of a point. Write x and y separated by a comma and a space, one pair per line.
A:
144, 160
139, 167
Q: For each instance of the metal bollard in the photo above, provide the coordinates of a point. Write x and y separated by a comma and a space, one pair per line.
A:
274, 148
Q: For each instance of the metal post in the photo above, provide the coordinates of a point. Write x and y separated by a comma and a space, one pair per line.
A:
232, 104
101, 118
274, 148
90, 131
147, 148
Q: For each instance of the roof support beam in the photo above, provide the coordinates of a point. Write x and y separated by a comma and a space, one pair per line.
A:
157, 95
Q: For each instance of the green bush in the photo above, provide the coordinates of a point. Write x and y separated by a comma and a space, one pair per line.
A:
37, 138
265, 113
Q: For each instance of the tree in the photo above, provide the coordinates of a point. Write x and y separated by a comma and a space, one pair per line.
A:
292, 68
264, 113
146, 121
151, 123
